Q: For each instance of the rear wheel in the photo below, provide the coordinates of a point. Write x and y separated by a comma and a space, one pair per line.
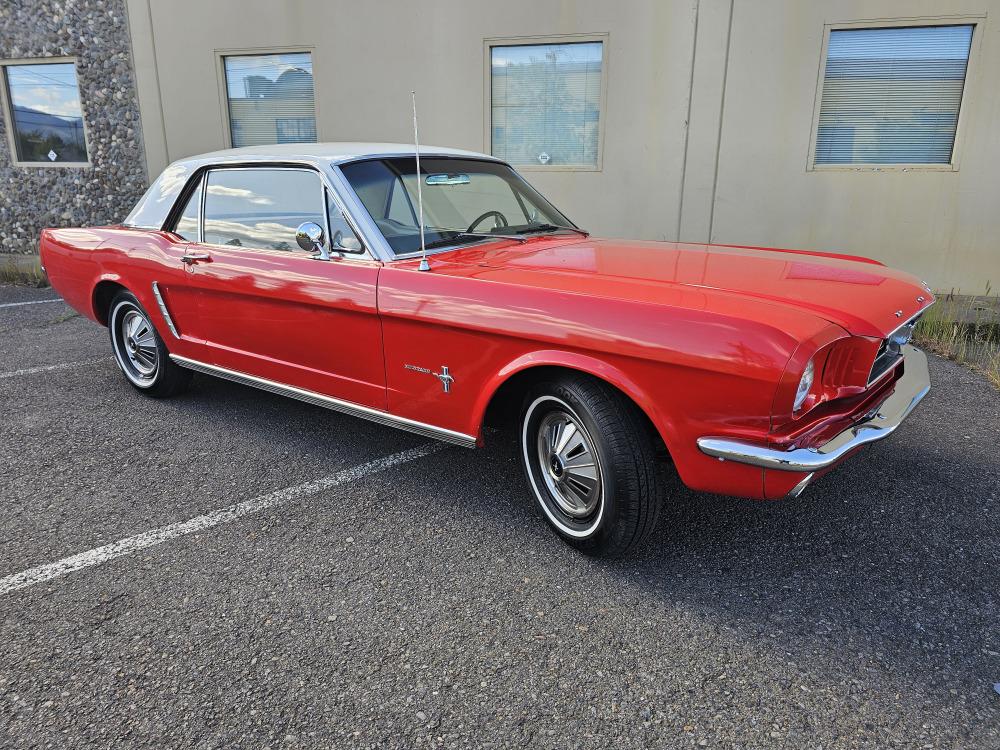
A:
590, 460
140, 352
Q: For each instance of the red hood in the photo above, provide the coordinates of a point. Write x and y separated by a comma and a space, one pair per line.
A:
865, 298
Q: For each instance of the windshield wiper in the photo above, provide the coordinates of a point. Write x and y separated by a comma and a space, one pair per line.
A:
462, 233
552, 228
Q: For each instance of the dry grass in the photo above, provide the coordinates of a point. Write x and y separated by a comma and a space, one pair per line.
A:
23, 274
966, 330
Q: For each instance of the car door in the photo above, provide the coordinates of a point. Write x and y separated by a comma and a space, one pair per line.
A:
270, 309
156, 274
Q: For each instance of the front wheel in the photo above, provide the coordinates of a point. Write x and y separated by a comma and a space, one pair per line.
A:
589, 457
140, 352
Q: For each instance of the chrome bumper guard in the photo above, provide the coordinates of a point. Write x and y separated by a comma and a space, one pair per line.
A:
878, 424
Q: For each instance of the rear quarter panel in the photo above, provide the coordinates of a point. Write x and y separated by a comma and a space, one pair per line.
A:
69, 258
78, 260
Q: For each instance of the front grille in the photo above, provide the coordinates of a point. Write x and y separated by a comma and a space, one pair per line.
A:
887, 356
890, 351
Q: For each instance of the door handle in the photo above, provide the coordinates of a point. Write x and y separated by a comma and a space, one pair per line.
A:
192, 258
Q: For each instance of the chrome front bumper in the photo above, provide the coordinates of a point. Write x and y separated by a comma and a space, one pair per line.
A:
878, 424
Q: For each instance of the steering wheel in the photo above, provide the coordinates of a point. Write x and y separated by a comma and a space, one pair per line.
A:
501, 220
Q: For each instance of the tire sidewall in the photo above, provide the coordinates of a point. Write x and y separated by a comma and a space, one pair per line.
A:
539, 402
120, 306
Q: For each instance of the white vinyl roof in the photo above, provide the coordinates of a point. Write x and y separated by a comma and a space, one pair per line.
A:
152, 209
333, 152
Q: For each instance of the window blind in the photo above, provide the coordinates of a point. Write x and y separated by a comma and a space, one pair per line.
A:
892, 95
270, 99
546, 101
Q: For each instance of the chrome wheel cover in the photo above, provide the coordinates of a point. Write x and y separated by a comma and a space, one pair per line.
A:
140, 344
568, 464
563, 466
135, 344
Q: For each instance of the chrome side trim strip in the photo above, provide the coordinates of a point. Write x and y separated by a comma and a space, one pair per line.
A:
881, 422
164, 311
336, 404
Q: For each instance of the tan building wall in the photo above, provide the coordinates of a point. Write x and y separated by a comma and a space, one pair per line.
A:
940, 224
707, 125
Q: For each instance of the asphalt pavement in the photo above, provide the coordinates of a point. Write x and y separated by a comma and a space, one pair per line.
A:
229, 568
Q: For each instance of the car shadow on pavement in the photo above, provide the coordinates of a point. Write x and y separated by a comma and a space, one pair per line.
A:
893, 567
890, 559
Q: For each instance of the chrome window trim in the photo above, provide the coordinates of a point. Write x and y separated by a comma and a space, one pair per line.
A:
324, 187
425, 153
293, 165
328, 402
203, 186
325, 196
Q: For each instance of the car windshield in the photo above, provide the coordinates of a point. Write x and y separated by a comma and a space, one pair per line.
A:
460, 196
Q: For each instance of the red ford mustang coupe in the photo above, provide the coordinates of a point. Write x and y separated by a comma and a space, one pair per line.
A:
298, 269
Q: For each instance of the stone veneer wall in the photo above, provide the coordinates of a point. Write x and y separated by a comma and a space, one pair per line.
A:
95, 32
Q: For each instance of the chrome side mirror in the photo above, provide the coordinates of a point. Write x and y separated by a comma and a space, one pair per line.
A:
311, 238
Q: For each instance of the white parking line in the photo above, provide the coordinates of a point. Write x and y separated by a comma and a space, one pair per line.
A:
163, 534
50, 368
32, 302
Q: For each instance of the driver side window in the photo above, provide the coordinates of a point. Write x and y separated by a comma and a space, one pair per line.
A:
261, 208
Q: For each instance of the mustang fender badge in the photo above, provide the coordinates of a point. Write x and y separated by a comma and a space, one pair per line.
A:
444, 376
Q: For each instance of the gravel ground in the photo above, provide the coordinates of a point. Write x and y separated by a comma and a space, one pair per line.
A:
427, 605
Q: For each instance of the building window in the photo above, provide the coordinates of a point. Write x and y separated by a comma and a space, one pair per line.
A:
270, 98
545, 106
45, 114
892, 95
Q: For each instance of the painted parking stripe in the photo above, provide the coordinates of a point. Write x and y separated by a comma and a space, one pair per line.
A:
51, 368
32, 302
151, 538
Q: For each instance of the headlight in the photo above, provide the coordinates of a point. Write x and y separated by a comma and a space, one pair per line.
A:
805, 383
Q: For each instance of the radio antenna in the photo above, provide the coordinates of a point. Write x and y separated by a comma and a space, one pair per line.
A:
424, 265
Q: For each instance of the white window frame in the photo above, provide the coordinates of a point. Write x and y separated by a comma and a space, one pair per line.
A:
514, 41
220, 72
965, 105
8, 114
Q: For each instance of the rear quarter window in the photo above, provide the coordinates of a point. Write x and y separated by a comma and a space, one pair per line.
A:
187, 222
